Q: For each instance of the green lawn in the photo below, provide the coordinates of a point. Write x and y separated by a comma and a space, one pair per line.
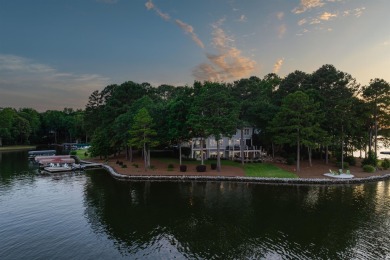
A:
266, 170
251, 169
81, 154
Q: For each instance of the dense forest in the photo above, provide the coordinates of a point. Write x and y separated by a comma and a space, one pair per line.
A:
301, 114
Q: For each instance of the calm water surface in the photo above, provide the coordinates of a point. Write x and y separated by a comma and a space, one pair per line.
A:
93, 216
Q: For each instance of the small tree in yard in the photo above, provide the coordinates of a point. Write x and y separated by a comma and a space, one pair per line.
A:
142, 134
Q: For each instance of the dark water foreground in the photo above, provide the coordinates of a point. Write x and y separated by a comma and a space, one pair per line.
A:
93, 216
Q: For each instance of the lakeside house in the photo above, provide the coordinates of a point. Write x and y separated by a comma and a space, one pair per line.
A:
229, 147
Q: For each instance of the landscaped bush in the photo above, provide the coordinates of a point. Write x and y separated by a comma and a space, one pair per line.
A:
290, 161
370, 160
189, 159
201, 168
213, 166
73, 152
368, 168
186, 151
386, 164
346, 165
183, 168
351, 160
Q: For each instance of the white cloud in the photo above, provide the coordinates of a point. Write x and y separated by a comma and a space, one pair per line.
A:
302, 32
227, 64
184, 26
190, 30
150, 6
315, 21
280, 15
26, 83
306, 5
302, 21
327, 16
242, 18
357, 12
278, 64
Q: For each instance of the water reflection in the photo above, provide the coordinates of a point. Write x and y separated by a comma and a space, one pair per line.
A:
15, 166
229, 220
196, 220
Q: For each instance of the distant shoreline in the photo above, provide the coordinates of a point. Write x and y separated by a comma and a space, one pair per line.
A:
17, 147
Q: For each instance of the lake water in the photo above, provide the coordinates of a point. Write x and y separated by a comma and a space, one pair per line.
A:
93, 216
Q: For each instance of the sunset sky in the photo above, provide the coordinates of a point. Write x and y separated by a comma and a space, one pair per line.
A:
55, 53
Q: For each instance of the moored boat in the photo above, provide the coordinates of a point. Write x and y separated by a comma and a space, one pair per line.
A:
33, 154
54, 168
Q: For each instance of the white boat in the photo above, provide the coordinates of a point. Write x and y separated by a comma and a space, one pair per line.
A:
57, 160
339, 175
57, 167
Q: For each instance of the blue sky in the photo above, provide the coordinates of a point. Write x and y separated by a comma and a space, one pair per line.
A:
55, 53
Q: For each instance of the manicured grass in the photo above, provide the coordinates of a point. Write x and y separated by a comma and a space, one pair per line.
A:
16, 147
81, 154
251, 169
266, 170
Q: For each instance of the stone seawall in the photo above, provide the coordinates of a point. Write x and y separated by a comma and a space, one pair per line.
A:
260, 180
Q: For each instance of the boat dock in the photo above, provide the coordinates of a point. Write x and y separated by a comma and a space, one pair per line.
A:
91, 166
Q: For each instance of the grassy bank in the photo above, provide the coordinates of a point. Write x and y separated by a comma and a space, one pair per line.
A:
17, 147
83, 154
251, 170
266, 170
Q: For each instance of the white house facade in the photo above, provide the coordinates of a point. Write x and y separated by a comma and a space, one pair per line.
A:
229, 147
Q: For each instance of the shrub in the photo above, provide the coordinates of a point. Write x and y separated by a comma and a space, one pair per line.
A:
290, 161
370, 160
346, 165
351, 160
120, 163
183, 168
386, 164
368, 168
201, 168
189, 159
73, 152
186, 151
213, 166
135, 165
124, 166
170, 167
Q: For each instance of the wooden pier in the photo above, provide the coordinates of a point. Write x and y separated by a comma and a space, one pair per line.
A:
91, 166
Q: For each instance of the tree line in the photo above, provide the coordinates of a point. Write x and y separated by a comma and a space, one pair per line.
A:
300, 115
28, 126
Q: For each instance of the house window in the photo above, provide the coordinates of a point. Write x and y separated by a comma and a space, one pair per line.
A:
246, 131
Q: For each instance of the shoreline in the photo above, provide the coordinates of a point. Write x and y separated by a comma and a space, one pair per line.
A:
244, 179
16, 148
